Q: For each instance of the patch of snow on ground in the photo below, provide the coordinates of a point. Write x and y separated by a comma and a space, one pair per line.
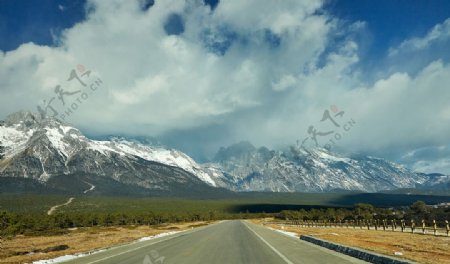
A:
79, 255
287, 233
67, 257
158, 236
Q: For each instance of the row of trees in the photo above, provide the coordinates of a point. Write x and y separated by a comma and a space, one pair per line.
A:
417, 211
21, 223
37, 224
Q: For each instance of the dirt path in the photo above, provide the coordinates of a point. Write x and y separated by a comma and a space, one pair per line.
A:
49, 212
90, 189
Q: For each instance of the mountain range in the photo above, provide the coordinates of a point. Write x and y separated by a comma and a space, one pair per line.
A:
44, 154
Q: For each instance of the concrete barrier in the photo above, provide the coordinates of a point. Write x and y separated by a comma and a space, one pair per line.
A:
355, 252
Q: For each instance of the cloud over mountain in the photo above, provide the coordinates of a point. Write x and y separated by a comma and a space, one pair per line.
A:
242, 70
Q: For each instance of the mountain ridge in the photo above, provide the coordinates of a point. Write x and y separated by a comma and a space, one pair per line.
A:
315, 170
47, 151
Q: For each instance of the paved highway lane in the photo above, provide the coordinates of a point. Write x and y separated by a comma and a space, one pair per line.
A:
230, 242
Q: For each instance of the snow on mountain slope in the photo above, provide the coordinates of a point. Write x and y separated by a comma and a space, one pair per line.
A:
23, 130
43, 148
436, 181
13, 140
169, 157
245, 168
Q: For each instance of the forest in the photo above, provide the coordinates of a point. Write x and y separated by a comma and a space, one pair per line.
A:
83, 215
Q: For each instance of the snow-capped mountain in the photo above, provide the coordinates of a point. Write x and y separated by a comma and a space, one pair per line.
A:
53, 153
242, 167
436, 181
48, 152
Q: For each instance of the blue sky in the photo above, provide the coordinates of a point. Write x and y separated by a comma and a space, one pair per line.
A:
203, 75
42, 22
36, 20
389, 22
392, 21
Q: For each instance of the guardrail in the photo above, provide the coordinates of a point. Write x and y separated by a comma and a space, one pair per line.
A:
358, 253
437, 229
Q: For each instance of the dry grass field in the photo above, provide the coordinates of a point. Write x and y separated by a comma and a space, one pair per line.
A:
416, 247
18, 249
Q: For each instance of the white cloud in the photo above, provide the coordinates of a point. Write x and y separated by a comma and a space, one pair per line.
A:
440, 166
440, 32
403, 111
175, 80
286, 17
284, 83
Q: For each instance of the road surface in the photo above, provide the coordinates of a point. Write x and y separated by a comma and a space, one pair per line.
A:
229, 242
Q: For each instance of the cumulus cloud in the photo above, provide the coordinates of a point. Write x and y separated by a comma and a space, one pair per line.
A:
171, 81
403, 110
255, 70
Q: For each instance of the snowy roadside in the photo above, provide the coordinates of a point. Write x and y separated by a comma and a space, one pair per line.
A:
287, 233
83, 254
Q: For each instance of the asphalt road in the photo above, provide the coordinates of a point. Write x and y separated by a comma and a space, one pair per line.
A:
232, 242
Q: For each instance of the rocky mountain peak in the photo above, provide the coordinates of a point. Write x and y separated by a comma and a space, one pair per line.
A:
24, 118
235, 151
45, 150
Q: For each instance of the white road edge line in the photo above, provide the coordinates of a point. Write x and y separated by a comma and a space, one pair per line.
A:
270, 246
156, 242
